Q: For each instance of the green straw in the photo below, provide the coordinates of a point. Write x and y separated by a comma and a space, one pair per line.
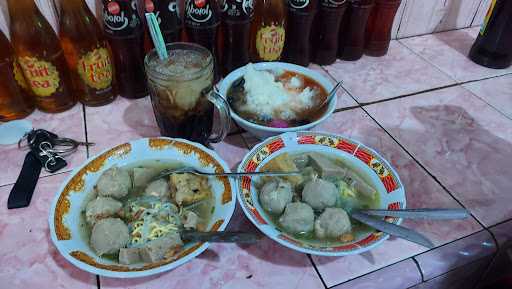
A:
156, 35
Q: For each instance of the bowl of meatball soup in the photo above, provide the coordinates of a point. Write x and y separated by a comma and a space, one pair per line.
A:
310, 211
123, 212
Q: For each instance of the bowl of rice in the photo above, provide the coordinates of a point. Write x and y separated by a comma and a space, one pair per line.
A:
271, 98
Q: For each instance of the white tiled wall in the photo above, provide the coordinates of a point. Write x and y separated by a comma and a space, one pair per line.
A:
414, 17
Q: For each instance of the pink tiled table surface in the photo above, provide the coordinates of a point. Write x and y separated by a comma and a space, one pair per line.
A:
462, 141
460, 135
67, 124
449, 51
400, 72
28, 258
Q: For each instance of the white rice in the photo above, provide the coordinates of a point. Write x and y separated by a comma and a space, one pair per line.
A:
271, 99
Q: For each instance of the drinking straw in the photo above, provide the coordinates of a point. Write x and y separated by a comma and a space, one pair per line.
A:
156, 35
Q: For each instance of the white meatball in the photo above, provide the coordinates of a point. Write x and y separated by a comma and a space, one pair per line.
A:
158, 188
109, 235
100, 208
275, 195
319, 194
332, 223
114, 182
297, 218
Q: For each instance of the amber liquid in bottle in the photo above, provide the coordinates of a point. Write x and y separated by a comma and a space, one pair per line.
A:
87, 53
15, 102
268, 30
41, 57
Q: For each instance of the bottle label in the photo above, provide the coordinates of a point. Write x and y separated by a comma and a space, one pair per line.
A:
488, 17
42, 76
95, 68
242, 10
18, 75
298, 4
270, 42
166, 12
332, 3
120, 17
200, 13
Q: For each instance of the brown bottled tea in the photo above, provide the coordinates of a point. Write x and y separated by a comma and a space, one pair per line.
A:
268, 30
41, 57
297, 48
380, 24
87, 53
15, 102
237, 17
124, 31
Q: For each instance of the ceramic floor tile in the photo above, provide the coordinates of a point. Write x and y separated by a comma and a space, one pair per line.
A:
462, 141
232, 150
448, 51
229, 266
495, 91
421, 192
66, 124
400, 72
398, 276
28, 257
344, 99
459, 253
461, 278
121, 121
503, 233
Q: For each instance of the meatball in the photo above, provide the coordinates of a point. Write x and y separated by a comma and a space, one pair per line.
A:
275, 195
297, 218
320, 194
158, 188
109, 235
332, 223
114, 182
101, 207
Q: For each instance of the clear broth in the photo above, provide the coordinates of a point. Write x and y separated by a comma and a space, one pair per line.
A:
204, 209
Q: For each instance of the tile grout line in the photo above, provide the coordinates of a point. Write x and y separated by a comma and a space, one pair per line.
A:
401, 20
486, 102
419, 269
476, 12
436, 32
317, 271
424, 168
427, 61
84, 117
411, 257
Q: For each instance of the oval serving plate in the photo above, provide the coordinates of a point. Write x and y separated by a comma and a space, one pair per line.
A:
68, 203
356, 155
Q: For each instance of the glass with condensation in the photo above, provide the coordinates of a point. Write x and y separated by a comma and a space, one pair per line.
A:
182, 94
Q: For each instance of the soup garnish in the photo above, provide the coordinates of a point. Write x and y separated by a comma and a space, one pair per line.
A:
130, 218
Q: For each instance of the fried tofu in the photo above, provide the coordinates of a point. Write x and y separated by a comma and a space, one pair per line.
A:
283, 163
188, 188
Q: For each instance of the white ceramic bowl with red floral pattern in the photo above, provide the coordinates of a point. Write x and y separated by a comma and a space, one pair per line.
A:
356, 155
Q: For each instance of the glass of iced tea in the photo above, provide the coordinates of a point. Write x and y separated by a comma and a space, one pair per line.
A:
181, 89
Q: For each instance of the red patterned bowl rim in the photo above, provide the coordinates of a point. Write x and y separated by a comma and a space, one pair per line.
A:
378, 165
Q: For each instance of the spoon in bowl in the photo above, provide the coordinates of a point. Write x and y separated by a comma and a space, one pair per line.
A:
330, 96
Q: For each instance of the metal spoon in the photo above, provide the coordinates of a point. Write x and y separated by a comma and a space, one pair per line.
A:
331, 95
392, 229
424, 214
187, 170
